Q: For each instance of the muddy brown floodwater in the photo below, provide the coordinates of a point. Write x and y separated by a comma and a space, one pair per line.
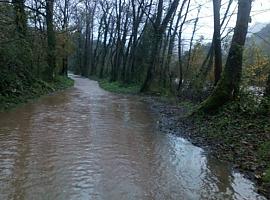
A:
86, 143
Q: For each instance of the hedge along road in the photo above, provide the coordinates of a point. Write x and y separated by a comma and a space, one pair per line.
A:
86, 143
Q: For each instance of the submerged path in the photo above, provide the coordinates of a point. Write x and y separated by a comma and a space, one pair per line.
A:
86, 143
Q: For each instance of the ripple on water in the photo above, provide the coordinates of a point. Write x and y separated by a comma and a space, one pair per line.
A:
85, 143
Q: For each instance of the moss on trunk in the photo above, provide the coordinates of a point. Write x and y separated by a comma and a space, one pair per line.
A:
228, 86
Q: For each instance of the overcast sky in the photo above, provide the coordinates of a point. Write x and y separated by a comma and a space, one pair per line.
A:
260, 14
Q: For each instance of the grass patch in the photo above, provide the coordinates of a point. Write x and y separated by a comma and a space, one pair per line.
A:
188, 105
118, 87
238, 132
28, 91
266, 176
264, 152
62, 82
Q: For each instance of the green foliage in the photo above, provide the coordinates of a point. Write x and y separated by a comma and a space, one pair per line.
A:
256, 66
266, 177
238, 131
119, 87
187, 104
247, 105
28, 91
23, 59
264, 151
265, 106
61, 82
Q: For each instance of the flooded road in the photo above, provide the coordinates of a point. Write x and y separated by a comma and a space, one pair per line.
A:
86, 143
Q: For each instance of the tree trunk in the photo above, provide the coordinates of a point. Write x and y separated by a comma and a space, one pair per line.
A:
154, 56
208, 61
123, 55
95, 58
136, 20
159, 28
217, 40
180, 63
20, 17
228, 86
51, 51
267, 89
117, 57
191, 40
172, 39
64, 71
91, 40
163, 73
104, 43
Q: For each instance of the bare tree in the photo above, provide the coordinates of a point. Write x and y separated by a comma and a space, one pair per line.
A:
192, 38
159, 27
173, 36
180, 62
228, 86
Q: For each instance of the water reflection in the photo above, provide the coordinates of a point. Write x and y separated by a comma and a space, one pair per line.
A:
85, 143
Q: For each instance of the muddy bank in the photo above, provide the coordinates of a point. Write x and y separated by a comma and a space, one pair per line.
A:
239, 149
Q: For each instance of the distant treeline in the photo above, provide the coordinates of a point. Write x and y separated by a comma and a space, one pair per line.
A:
134, 42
